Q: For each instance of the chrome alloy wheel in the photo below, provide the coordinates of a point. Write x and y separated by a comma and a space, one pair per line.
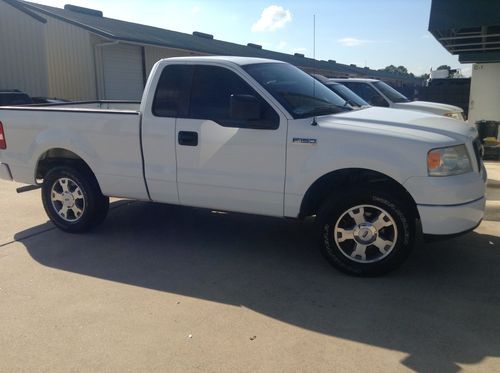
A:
67, 199
365, 233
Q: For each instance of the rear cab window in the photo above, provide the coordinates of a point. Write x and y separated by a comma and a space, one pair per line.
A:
172, 92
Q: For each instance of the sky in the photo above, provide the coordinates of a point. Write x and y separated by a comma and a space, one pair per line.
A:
373, 33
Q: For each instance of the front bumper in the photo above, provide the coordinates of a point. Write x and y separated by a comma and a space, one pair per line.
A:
447, 220
449, 205
5, 173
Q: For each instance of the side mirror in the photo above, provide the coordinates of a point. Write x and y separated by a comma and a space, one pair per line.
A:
245, 107
378, 101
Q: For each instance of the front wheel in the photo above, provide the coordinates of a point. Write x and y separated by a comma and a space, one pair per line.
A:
366, 233
73, 200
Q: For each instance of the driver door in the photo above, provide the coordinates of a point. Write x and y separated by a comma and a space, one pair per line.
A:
225, 163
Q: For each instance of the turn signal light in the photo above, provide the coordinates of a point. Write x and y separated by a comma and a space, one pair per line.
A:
3, 143
433, 159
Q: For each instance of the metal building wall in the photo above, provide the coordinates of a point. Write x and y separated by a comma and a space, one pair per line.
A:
70, 61
485, 92
23, 62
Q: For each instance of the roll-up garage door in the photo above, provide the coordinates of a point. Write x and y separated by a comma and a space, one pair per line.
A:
123, 72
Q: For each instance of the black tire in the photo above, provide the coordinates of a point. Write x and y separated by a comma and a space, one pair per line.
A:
397, 237
87, 210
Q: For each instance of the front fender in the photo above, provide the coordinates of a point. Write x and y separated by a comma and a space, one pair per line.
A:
337, 150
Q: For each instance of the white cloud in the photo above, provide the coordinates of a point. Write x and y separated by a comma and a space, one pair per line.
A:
281, 45
351, 42
272, 18
355, 42
196, 9
299, 50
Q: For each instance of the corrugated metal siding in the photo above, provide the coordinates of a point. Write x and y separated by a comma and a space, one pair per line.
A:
70, 59
154, 54
22, 54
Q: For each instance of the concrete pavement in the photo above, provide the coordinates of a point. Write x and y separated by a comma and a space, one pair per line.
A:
162, 288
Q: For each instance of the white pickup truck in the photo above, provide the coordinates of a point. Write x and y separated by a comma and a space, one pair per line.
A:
378, 93
261, 137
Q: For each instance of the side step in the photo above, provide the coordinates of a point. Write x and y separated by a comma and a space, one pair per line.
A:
27, 188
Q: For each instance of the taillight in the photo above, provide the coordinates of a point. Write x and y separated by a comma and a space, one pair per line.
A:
3, 143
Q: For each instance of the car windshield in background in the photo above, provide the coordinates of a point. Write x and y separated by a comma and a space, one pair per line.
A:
352, 98
390, 92
297, 91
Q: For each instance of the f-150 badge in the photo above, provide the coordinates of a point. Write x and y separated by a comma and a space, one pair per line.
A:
301, 140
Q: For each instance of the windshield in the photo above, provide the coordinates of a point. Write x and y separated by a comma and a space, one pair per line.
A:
390, 92
348, 95
297, 91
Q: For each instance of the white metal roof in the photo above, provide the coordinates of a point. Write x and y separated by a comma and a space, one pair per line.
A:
233, 59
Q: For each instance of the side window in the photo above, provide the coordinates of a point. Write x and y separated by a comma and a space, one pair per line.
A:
211, 93
367, 93
172, 93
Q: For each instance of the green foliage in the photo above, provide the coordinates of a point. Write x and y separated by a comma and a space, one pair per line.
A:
444, 67
399, 70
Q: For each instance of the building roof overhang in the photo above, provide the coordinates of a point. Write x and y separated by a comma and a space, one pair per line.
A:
469, 29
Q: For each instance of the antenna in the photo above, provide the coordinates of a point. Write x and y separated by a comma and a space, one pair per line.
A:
314, 37
314, 123
314, 54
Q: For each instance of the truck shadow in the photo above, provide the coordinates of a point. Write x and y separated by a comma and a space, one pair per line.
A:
441, 308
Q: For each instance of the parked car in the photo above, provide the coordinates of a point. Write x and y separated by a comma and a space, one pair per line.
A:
12, 97
352, 98
378, 93
255, 136
15, 97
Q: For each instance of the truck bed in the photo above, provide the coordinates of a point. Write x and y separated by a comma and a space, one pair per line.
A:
104, 134
114, 105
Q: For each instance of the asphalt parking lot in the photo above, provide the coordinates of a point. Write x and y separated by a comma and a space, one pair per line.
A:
162, 288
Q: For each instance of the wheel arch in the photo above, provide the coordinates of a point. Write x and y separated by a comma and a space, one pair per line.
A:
59, 157
337, 180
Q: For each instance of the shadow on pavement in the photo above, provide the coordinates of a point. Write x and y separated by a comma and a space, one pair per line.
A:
442, 308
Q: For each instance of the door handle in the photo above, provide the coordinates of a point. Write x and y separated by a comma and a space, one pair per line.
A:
188, 138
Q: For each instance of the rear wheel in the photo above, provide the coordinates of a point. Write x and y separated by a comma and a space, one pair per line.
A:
366, 233
73, 200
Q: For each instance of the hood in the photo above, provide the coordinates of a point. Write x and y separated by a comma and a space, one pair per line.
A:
431, 107
417, 125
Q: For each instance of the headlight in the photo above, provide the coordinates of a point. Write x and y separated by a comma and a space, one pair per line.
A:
455, 115
453, 160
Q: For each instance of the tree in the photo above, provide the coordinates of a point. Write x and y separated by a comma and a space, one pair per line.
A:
444, 67
400, 70
425, 76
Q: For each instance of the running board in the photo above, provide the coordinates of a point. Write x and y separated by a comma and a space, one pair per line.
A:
27, 188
